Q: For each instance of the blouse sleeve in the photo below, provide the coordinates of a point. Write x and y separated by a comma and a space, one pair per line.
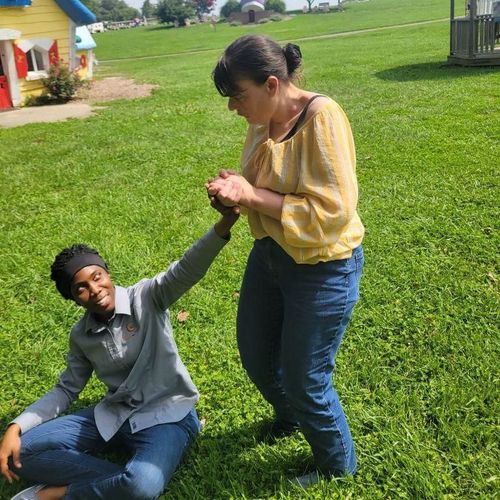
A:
326, 196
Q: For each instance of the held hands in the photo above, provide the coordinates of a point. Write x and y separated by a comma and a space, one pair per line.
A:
230, 214
230, 189
10, 447
212, 192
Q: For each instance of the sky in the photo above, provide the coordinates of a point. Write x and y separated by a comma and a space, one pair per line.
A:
290, 4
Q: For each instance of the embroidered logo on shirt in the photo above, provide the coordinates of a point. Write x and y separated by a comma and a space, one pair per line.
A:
131, 331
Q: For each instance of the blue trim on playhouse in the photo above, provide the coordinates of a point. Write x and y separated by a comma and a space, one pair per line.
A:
76, 11
84, 40
15, 3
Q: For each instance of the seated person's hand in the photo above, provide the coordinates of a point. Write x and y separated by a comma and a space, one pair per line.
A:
224, 209
10, 447
226, 191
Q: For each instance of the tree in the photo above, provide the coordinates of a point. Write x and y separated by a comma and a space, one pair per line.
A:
111, 10
229, 7
148, 9
276, 5
309, 4
94, 6
116, 10
203, 7
174, 11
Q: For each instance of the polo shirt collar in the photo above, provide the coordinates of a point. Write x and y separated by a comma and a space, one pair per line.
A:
122, 306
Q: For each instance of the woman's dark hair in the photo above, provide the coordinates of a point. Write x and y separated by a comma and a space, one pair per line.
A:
256, 58
59, 266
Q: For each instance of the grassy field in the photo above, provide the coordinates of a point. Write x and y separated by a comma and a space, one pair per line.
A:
158, 40
418, 369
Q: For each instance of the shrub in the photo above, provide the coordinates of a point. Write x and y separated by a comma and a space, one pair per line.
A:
229, 7
264, 20
276, 5
276, 17
61, 84
175, 11
234, 23
30, 100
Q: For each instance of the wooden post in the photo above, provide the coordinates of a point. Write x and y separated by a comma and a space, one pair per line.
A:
472, 27
452, 17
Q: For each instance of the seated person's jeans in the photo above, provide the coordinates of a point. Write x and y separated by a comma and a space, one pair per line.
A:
59, 452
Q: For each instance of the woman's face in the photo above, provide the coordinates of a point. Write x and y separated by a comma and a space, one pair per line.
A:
93, 289
254, 102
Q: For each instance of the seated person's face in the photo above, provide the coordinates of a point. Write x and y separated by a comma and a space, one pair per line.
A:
92, 288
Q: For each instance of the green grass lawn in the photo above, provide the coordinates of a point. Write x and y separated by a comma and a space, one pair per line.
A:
159, 40
418, 369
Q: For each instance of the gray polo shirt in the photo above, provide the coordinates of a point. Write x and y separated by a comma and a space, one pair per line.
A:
134, 354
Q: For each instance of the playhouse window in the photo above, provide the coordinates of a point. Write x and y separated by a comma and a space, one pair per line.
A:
35, 60
38, 62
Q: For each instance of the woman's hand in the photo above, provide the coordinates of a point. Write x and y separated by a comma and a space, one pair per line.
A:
226, 191
231, 189
222, 209
225, 211
226, 222
10, 447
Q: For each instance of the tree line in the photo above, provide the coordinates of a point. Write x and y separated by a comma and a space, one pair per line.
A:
111, 10
168, 11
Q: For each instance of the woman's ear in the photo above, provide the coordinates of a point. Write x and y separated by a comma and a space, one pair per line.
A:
272, 85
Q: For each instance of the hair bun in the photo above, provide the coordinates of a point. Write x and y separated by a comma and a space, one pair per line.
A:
293, 57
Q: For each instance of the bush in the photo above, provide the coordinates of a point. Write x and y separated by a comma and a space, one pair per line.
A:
276, 17
229, 7
61, 84
32, 100
276, 5
175, 11
264, 20
234, 23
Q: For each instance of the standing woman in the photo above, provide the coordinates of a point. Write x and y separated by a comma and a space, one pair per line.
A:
299, 189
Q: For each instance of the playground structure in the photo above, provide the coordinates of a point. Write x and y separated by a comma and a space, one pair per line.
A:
475, 37
34, 35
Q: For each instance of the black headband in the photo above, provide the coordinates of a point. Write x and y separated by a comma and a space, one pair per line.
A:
73, 266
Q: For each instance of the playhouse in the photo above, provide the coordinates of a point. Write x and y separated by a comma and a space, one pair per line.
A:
85, 53
35, 34
252, 11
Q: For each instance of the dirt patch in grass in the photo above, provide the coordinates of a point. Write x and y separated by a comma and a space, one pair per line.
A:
112, 88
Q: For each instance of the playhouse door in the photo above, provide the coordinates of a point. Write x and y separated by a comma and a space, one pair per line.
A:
5, 101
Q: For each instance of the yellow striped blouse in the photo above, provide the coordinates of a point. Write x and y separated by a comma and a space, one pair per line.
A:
316, 171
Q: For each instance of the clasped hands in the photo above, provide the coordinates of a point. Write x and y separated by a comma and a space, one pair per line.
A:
229, 190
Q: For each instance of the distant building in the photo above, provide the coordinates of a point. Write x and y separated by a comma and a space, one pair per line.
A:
255, 5
252, 11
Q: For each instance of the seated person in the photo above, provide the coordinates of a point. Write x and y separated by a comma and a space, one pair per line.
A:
125, 336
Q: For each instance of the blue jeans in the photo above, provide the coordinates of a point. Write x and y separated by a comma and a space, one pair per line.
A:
58, 452
291, 319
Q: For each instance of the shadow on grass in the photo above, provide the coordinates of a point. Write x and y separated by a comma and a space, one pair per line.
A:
161, 27
432, 71
232, 464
